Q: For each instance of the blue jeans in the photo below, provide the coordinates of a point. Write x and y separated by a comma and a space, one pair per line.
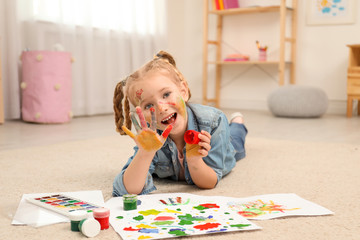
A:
238, 133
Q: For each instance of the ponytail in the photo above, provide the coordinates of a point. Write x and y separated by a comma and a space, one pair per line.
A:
118, 108
167, 57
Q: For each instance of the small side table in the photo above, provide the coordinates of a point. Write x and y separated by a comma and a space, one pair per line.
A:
353, 79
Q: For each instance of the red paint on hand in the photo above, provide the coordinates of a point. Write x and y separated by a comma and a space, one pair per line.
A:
191, 137
167, 130
141, 117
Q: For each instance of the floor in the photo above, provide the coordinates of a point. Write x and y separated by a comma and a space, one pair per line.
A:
329, 128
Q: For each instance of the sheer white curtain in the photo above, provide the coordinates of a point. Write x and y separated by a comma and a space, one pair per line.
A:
107, 38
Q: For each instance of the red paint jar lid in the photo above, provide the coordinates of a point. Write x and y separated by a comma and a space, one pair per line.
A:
191, 137
101, 212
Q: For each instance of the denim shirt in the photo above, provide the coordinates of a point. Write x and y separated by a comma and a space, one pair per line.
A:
165, 164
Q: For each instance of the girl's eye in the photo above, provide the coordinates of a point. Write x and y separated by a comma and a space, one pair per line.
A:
167, 94
148, 106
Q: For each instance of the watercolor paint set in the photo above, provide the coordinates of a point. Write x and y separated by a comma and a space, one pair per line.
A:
62, 204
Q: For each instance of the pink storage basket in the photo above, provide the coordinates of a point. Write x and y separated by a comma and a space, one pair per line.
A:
46, 87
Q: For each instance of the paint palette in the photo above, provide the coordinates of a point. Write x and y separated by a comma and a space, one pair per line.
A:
62, 204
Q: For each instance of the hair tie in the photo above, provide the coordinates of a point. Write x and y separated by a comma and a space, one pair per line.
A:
159, 55
123, 82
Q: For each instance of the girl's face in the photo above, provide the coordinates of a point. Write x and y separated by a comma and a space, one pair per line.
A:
159, 91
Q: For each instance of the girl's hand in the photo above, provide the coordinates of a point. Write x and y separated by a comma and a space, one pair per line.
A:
202, 148
147, 138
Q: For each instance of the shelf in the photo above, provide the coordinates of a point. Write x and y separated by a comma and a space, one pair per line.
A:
218, 61
235, 11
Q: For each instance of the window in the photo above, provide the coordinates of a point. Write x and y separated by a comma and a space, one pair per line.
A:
119, 15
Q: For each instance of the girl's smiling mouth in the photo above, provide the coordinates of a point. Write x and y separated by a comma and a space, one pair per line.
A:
170, 119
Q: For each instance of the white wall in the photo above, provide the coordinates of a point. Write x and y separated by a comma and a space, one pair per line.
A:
322, 55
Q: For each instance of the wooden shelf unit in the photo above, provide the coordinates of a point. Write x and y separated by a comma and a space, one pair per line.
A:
220, 14
1, 97
353, 79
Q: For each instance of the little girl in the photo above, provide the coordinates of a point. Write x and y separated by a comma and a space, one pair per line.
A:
160, 94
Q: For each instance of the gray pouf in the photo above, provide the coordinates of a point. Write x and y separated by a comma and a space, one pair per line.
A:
298, 101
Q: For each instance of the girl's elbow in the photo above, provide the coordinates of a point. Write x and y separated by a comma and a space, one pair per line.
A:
207, 187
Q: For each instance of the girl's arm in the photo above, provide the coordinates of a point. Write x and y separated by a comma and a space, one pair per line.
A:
202, 175
135, 175
148, 142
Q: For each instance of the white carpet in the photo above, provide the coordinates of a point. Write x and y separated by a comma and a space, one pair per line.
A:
324, 173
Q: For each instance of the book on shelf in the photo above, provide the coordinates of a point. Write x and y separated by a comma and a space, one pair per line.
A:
215, 4
224, 4
236, 58
230, 4
218, 4
221, 3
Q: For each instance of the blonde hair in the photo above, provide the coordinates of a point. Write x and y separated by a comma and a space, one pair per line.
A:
162, 62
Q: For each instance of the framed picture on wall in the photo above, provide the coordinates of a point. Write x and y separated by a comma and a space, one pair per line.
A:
321, 12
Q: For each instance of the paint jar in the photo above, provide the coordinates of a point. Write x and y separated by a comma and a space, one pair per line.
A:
89, 227
191, 137
75, 218
262, 55
130, 202
102, 216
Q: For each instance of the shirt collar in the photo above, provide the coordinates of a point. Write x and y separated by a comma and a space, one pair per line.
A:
192, 122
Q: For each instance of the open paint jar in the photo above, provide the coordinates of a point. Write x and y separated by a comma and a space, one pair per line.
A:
191, 137
130, 202
102, 216
75, 218
89, 227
